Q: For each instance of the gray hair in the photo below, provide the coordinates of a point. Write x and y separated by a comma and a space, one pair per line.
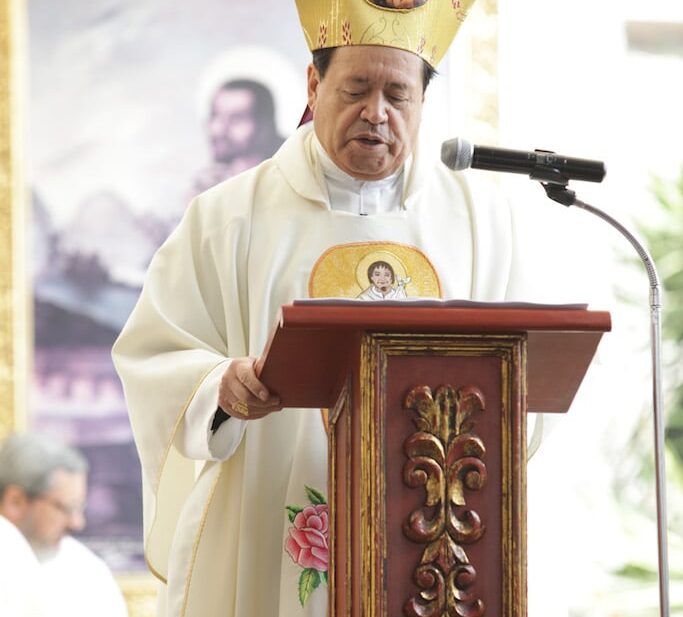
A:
29, 460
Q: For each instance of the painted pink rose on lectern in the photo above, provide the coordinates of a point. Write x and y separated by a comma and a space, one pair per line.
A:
307, 541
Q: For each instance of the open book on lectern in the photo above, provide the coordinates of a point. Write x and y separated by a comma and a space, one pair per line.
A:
435, 303
314, 343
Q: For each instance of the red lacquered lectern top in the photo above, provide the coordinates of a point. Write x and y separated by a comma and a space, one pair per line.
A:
307, 357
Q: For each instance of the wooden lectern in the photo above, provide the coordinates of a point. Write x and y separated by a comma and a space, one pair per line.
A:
427, 442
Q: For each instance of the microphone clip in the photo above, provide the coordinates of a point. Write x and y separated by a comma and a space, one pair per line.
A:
544, 171
559, 193
553, 181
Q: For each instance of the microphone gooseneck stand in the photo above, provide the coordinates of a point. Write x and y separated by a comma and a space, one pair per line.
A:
555, 185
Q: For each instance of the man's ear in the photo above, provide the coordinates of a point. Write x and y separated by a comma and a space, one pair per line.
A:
313, 82
13, 503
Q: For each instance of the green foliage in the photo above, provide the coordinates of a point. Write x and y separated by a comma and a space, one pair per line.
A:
638, 572
665, 242
292, 511
315, 496
663, 235
308, 583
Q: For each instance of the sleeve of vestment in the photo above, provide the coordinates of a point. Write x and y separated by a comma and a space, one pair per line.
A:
187, 322
197, 436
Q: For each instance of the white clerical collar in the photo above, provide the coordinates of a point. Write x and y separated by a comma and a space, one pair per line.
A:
364, 197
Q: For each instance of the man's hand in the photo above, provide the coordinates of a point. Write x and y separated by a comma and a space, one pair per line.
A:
242, 395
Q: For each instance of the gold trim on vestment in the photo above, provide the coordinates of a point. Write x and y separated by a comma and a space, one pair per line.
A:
178, 421
197, 541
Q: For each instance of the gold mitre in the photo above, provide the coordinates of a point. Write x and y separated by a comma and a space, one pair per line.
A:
424, 27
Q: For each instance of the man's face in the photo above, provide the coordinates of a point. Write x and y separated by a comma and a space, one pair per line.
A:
232, 126
382, 278
55, 513
367, 108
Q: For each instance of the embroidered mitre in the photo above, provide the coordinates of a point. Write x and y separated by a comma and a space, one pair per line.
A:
424, 27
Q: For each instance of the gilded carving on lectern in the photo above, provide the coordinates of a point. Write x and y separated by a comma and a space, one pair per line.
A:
445, 456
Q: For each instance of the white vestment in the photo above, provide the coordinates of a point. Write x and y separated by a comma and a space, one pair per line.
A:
243, 249
19, 572
77, 583
372, 293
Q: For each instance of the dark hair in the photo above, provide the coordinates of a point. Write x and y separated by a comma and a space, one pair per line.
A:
264, 104
381, 264
323, 57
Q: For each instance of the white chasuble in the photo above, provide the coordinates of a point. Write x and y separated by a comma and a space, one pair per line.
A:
247, 536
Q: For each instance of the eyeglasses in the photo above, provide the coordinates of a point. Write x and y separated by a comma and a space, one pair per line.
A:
65, 509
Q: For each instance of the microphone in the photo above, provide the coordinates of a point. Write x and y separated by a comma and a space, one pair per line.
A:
460, 154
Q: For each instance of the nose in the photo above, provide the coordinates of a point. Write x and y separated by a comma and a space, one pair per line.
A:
375, 108
76, 520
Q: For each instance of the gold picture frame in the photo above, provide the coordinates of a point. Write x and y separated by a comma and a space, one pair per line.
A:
13, 281
139, 589
15, 286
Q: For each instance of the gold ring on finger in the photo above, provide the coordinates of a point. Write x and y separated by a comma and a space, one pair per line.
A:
241, 407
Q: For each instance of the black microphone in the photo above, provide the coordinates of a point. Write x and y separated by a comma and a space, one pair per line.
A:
460, 154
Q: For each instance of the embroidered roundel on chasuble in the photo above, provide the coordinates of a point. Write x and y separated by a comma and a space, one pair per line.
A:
374, 271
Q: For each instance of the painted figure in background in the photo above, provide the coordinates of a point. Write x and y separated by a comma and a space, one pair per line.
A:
241, 130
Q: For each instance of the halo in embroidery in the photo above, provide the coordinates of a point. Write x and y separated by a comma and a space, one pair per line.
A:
342, 270
398, 5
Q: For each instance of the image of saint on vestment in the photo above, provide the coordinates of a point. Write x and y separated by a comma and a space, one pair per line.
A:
374, 271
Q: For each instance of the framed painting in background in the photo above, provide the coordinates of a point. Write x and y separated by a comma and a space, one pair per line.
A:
113, 116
